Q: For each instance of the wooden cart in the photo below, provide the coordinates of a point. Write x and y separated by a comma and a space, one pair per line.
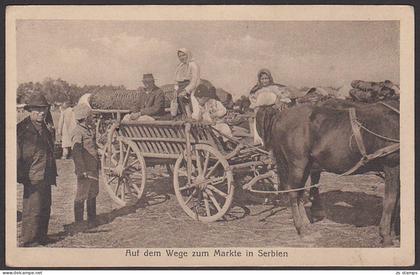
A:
204, 170
104, 118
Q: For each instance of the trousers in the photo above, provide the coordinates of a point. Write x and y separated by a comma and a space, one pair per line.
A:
36, 212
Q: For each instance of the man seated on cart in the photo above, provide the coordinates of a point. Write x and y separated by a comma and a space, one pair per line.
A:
151, 103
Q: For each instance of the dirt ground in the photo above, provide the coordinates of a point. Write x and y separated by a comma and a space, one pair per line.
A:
353, 206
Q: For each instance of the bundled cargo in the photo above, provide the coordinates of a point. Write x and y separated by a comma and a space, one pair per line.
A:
365, 91
121, 100
225, 97
314, 95
169, 90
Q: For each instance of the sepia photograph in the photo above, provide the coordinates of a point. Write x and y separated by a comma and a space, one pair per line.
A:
209, 136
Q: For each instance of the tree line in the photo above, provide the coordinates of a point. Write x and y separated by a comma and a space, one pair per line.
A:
59, 91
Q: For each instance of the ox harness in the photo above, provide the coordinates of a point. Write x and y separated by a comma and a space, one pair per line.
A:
356, 125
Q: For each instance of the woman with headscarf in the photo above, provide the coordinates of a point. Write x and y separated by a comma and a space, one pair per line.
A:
264, 79
267, 88
187, 77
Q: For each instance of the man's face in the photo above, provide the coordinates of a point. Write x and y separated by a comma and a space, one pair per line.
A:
182, 57
148, 83
38, 114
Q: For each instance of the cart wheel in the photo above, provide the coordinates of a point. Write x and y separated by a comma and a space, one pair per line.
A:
209, 194
124, 171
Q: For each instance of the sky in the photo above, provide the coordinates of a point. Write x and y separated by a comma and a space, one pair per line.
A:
229, 53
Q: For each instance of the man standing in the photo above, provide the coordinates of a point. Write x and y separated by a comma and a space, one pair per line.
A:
66, 124
152, 102
36, 170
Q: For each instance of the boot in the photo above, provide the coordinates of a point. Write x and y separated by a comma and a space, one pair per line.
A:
78, 211
91, 211
78, 224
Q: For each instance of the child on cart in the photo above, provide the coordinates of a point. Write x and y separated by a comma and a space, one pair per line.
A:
206, 108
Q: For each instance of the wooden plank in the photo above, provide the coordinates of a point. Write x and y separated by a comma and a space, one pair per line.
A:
150, 134
108, 111
126, 131
123, 131
143, 134
157, 135
173, 148
160, 155
160, 135
147, 135
165, 123
165, 145
155, 122
176, 134
180, 131
140, 144
155, 142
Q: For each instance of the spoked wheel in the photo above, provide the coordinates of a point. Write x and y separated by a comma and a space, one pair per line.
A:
208, 193
124, 171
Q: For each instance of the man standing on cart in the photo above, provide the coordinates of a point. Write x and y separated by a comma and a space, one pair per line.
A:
152, 101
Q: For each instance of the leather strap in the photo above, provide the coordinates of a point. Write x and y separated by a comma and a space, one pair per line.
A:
356, 131
359, 141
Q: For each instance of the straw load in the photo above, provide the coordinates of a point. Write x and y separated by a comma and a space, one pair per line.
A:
365, 91
120, 100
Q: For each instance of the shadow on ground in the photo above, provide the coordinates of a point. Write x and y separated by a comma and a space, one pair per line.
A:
106, 218
355, 208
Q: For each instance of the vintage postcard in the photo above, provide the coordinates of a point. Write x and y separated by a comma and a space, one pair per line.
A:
174, 136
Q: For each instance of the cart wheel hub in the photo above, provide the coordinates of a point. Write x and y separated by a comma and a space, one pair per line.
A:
119, 170
201, 182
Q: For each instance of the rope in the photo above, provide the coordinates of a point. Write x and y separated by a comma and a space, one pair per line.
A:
288, 190
390, 107
375, 134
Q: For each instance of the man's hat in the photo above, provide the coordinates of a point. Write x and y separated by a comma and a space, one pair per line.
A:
36, 100
81, 111
148, 77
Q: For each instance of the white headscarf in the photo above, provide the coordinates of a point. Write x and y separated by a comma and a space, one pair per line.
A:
182, 70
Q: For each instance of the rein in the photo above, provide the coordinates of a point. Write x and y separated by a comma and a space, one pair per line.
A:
359, 124
390, 107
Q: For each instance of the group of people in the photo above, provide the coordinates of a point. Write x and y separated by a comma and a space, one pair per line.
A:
37, 170
36, 165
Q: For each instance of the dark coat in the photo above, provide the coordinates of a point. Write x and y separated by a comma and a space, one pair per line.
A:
151, 103
35, 154
85, 154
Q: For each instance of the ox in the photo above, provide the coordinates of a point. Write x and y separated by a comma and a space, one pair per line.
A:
307, 139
